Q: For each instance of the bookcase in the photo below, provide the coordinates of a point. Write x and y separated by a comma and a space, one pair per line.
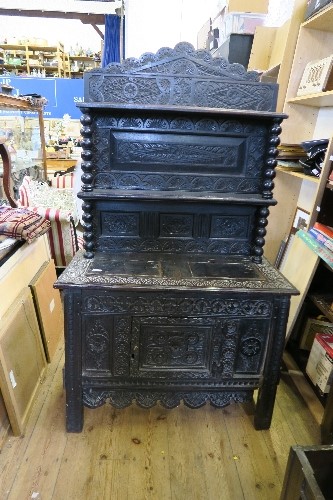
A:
25, 58
273, 49
78, 64
310, 117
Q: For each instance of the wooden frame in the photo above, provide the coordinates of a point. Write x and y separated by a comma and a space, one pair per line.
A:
300, 221
317, 76
49, 307
22, 360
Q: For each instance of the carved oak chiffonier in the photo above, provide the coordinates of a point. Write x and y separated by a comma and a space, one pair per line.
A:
172, 299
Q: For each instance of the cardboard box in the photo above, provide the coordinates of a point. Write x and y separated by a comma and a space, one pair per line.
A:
22, 360
49, 307
320, 363
241, 23
312, 327
257, 6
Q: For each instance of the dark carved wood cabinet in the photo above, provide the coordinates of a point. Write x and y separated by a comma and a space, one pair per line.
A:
172, 298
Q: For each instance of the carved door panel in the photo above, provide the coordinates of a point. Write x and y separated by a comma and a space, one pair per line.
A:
198, 347
218, 337
106, 345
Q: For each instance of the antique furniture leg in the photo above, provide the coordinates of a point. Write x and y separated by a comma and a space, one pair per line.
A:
73, 364
267, 391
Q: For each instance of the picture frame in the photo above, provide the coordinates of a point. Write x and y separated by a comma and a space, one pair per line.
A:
22, 360
300, 221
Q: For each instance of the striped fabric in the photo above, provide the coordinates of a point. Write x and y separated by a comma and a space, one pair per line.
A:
63, 181
22, 223
62, 234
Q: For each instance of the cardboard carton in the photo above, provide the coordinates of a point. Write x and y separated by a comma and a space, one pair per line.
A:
257, 6
320, 363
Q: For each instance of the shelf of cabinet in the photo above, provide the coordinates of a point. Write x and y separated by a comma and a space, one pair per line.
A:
323, 303
318, 100
323, 20
300, 175
39, 53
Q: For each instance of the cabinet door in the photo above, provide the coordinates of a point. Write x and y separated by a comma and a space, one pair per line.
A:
197, 347
178, 347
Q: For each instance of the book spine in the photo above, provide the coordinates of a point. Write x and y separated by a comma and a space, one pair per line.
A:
322, 252
322, 238
324, 229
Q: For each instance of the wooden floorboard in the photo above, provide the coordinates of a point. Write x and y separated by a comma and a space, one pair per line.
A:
178, 454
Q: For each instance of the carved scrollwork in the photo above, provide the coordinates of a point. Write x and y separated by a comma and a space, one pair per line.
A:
94, 398
97, 343
179, 77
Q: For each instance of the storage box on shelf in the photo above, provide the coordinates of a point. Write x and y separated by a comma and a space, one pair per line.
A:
320, 363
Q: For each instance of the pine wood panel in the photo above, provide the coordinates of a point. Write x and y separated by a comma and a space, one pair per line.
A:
148, 454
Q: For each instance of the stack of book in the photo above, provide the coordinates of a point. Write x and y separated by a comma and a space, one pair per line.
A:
323, 234
291, 152
320, 239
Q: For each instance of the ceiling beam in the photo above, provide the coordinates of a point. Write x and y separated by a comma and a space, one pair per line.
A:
85, 18
96, 28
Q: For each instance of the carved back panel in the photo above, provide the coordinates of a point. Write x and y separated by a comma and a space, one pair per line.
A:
163, 137
181, 76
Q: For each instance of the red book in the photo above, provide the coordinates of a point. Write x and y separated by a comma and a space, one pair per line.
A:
327, 230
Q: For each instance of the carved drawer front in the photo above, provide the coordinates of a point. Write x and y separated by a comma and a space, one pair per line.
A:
148, 151
182, 228
218, 338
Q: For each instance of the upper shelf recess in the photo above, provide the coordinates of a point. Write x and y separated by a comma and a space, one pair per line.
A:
318, 100
322, 21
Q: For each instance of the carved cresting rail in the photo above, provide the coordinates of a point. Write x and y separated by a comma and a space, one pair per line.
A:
172, 298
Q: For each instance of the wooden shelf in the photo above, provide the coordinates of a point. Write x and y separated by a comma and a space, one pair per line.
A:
322, 21
30, 54
323, 302
300, 175
319, 100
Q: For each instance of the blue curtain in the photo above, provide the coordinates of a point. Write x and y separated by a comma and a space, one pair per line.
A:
111, 51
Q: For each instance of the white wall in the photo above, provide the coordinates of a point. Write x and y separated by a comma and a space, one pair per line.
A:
151, 24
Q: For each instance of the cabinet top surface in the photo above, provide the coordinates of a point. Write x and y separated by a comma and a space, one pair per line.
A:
177, 272
110, 106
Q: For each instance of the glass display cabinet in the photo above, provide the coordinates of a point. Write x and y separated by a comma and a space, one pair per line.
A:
22, 134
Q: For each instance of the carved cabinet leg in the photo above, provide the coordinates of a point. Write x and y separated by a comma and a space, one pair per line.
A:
268, 388
73, 363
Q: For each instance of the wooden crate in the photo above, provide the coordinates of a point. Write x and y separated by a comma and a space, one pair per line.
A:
308, 473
